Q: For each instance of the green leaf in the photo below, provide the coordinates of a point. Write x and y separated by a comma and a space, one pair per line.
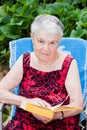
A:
10, 31
75, 14
5, 19
13, 8
2, 37
55, 8
79, 32
4, 117
3, 52
2, 11
84, 20
16, 21
76, 1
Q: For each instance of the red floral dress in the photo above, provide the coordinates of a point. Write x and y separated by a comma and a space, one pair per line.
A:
49, 86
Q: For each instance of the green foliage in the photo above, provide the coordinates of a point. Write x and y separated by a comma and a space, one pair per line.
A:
4, 57
81, 25
77, 3
16, 17
6, 112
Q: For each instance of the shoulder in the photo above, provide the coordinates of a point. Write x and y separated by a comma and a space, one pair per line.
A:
69, 61
65, 57
73, 68
27, 54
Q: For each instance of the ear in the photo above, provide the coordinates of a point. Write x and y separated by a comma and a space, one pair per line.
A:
32, 37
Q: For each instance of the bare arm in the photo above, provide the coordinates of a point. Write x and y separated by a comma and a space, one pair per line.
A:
9, 82
73, 87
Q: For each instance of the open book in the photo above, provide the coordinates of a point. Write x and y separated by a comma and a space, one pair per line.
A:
44, 111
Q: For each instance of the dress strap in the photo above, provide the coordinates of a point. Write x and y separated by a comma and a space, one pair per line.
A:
66, 64
26, 61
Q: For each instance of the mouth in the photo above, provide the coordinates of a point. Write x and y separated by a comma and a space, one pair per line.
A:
45, 54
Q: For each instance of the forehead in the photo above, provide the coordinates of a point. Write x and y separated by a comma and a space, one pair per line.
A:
42, 34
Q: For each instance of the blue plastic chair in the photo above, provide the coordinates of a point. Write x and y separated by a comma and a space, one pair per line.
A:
77, 47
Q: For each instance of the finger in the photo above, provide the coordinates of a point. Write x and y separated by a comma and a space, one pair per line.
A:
44, 104
41, 118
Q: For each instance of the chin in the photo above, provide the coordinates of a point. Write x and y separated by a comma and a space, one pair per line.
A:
45, 59
42, 56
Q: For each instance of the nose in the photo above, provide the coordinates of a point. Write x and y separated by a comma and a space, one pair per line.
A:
46, 47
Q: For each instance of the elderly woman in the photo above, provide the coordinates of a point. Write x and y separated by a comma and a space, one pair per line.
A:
47, 77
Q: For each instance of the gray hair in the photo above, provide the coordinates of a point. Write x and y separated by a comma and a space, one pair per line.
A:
50, 23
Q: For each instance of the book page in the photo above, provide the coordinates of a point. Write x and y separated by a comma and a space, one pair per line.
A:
66, 108
59, 107
54, 107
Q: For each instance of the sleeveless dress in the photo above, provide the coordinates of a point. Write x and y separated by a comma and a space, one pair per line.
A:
49, 86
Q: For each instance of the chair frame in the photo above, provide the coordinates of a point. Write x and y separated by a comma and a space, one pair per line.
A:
1, 124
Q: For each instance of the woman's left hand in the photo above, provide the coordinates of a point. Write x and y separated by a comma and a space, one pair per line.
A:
41, 118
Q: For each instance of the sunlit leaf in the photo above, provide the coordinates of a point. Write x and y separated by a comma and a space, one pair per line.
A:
2, 37
79, 32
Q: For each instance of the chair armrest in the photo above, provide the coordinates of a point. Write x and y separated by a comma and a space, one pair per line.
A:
85, 109
1, 107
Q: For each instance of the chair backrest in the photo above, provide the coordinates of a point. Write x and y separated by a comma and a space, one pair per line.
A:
17, 48
77, 47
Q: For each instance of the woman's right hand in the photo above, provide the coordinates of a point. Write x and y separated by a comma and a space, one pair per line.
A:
42, 103
39, 102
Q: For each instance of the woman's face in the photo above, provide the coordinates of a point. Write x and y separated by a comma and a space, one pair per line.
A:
45, 45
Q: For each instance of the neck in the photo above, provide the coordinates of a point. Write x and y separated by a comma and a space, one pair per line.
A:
45, 65
49, 61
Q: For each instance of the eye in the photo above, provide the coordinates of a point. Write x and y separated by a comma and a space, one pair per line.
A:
52, 42
41, 41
